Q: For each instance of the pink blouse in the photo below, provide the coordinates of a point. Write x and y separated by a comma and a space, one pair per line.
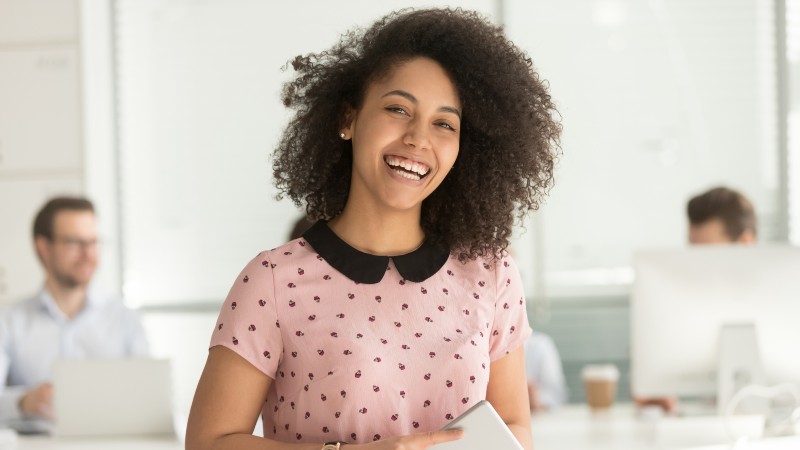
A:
356, 362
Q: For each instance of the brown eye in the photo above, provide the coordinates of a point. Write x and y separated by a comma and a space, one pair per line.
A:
398, 110
446, 126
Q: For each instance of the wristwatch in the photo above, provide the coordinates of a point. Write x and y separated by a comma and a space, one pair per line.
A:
332, 445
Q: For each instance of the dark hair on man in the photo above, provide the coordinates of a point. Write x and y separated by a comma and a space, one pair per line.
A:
300, 226
43, 224
509, 127
731, 207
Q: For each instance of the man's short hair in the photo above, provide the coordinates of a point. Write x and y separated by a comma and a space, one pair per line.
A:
45, 218
731, 207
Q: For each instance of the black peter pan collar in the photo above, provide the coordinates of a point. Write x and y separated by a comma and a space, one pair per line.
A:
417, 266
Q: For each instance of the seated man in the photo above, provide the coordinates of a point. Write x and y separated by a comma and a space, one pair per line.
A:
65, 320
718, 216
546, 386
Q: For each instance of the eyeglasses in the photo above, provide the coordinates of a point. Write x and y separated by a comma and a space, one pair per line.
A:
76, 244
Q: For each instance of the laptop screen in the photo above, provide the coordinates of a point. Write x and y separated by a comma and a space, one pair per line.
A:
112, 397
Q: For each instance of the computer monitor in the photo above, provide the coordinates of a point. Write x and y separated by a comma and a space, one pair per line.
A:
683, 299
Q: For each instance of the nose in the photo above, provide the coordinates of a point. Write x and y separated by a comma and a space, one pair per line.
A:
89, 248
417, 135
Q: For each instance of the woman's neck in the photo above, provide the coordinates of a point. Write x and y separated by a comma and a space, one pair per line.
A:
389, 234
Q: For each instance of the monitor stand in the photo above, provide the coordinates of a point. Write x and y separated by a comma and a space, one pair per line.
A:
739, 366
697, 407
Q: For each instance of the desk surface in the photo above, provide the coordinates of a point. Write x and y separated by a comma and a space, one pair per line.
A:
51, 443
573, 427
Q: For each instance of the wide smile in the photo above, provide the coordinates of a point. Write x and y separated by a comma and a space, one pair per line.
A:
406, 168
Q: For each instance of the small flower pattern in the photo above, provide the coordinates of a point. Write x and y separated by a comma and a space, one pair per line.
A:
359, 362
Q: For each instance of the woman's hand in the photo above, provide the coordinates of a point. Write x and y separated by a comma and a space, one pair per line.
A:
419, 441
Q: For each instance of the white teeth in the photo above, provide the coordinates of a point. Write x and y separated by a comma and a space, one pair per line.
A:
410, 176
412, 166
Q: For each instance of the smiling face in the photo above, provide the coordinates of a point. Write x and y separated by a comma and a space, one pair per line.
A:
405, 137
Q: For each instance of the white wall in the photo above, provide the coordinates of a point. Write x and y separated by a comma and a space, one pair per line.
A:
200, 112
40, 127
660, 100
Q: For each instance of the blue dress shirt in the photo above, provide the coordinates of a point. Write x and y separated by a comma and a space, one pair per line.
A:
35, 333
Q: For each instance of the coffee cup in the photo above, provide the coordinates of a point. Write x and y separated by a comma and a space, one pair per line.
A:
600, 384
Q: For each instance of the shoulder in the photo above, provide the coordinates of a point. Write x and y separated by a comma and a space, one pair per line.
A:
21, 307
18, 315
487, 267
279, 262
291, 251
271, 271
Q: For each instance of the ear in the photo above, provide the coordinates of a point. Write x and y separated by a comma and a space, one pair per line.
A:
747, 237
348, 124
42, 245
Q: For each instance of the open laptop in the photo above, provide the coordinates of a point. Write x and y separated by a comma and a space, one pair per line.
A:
112, 397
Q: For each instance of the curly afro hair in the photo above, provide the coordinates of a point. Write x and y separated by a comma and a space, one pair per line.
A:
509, 127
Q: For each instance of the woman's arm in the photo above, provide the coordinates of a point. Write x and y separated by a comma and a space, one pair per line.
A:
226, 406
507, 392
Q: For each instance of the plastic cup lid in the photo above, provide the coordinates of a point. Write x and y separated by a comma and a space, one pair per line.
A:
600, 372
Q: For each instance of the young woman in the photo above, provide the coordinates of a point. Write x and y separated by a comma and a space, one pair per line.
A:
414, 143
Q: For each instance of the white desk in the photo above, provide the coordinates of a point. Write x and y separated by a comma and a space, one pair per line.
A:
575, 427
51, 443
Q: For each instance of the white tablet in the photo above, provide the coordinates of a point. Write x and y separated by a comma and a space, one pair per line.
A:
483, 429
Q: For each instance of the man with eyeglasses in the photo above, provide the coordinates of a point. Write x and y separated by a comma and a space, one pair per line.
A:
66, 320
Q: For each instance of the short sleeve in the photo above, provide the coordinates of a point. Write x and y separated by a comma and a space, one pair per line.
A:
248, 323
510, 328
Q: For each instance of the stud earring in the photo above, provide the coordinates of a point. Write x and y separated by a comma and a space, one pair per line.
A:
341, 135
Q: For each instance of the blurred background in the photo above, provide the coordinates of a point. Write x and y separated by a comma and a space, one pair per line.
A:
165, 112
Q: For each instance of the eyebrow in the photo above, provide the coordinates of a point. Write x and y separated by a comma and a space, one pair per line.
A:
408, 96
